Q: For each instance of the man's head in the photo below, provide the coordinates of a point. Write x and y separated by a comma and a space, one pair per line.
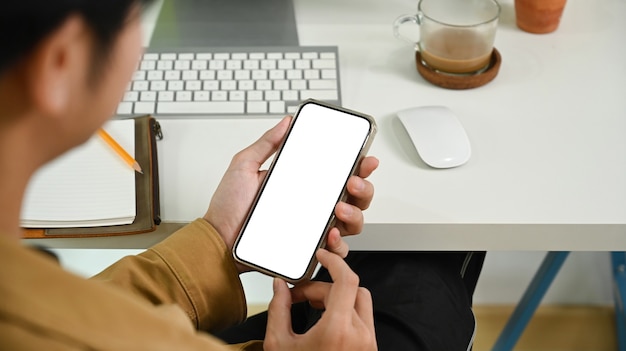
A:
64, 65
25, 23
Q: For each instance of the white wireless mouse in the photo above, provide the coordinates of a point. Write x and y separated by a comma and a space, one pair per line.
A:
437, 134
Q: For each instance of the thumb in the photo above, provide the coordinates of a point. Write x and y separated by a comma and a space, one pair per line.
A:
267, 144
279, 312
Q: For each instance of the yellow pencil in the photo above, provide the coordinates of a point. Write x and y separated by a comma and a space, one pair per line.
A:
119, 150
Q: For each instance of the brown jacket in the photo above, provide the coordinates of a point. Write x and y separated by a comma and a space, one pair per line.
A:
157, 300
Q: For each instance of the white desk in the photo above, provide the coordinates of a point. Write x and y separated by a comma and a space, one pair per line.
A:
548, 165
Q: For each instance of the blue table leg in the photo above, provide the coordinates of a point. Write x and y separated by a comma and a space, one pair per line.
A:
530, 300
619, 276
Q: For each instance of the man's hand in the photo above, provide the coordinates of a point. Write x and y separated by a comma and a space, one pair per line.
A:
347, 322
237, 189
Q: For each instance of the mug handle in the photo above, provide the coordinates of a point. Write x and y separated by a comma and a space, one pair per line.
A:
401, 21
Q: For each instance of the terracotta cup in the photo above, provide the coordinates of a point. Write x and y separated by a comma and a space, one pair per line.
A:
538, 16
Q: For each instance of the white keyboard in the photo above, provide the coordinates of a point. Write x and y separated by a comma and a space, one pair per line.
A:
223, 82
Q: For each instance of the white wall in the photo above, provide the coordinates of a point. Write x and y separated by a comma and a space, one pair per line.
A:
584, 279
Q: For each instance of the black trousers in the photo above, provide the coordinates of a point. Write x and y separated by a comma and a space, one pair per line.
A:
422, 300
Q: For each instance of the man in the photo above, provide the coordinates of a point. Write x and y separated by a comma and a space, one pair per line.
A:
64, 65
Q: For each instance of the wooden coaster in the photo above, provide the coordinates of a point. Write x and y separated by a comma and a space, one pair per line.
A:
450, 81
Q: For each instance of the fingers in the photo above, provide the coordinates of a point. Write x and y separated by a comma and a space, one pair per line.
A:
361, 191
279, 311
314, 292
265, 146
342, 296
364, 308
368, 166
350, 219
335, 244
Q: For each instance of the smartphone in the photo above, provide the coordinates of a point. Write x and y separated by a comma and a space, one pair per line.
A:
294, 208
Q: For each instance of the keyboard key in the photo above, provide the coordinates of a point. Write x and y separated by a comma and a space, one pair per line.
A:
195, 107
183, 96
254, 95
236, 95
319, 94
329, 74
224, 75
168, 56
211, 85
144, 107
239, 56
285, 64
233, 64
292, 55
251, 64
242, 75
166, 96
322, 84
158, 85
263, 85
281, 85
292, 109
277, 107
275, 55
125, 108
276, 74
186, 56
272, 95
311, 74
199, 65
221, 56
147, 65
201, 96
165, 65
131, 96
190, 75
229, 85
204, 56
193, 85
257, 56
207, 75
139, 75
147, 96
246, 85
294, 74
298, 85
309, 55
216, 65
327, 55
175, 85
290, 95
140, 85
303, 64
256, 107
219, 95
268, 64
182, 65
155, 75
259, 75
150, 56
172, 75
323, 64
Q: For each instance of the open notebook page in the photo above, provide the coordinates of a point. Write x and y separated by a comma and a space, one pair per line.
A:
88, 186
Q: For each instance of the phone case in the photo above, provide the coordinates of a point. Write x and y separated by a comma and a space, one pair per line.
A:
332, 220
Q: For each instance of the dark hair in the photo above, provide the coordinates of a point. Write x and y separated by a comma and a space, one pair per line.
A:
24, 23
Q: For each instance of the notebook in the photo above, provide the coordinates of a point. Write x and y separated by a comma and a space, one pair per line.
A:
89, 186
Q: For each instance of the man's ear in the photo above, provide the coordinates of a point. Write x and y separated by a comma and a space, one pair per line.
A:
57, 65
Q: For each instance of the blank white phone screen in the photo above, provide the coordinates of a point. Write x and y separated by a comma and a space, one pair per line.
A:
302, 190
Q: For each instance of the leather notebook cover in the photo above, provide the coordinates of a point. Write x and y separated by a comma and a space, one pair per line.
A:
147, 131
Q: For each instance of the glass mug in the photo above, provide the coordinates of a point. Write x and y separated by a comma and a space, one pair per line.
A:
456, 36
